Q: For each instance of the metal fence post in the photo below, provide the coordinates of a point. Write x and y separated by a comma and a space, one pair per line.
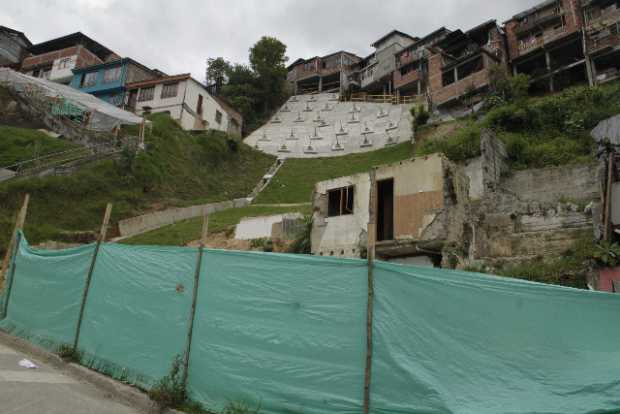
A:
190, 330
100, 239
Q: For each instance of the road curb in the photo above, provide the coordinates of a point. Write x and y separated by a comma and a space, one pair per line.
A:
117, 391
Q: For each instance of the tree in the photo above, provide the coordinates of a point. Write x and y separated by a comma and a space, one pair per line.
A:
267, 60
217, 70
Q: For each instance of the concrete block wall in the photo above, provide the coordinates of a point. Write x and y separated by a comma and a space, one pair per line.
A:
155, 220
366, 115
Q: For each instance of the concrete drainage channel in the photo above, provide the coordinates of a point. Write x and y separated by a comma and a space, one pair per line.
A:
109, 388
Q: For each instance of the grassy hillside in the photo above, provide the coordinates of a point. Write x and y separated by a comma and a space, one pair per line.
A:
538, 132
179, 234
178, 168
21, 144
295, 181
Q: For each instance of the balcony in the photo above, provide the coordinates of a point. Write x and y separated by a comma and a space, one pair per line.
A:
533, 43
605, 40
406, 79
367, 77
455, 90
407, 57
607, 17
535, 23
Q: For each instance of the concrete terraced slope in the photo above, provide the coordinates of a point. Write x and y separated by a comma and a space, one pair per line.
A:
312, 126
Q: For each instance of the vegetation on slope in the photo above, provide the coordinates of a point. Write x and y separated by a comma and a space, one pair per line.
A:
538, 132
178, 168
295, 181
22, 144
181, 233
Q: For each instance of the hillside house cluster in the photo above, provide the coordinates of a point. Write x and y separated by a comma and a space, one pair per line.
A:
87, 65
557, 43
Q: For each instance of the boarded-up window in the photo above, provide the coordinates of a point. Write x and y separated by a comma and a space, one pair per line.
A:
146, 94
169, 90
340, 201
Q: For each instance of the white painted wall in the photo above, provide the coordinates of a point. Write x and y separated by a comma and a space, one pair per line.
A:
188, 93
253, 228
65, 73
340, 235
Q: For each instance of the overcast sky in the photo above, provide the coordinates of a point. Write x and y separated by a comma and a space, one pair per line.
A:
177, 36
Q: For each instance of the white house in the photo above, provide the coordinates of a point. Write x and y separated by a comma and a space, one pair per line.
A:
186, 100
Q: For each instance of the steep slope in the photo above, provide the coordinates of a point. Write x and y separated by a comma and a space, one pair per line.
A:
177, 169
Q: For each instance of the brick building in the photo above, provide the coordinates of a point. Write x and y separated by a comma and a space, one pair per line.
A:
55, 59
602, 32
318, 74
546, 43
461, 63
411, 74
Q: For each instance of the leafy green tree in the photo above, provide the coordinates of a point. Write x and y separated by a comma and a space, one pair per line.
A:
267, 60
217, 71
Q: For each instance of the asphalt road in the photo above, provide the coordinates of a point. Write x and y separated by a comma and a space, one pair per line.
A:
47, 390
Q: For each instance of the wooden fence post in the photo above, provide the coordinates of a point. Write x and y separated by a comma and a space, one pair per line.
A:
11, 256
19, 225
100, 239
372, 230
190, 330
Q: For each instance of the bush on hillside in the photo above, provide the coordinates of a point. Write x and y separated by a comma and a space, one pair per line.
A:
462, 145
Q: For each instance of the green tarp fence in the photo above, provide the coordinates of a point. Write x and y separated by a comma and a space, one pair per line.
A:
288, 332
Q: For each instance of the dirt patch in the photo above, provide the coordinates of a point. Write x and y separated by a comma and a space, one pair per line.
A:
228, 242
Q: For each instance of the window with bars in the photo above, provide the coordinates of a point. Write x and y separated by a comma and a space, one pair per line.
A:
169, 90
146, 94
340, 201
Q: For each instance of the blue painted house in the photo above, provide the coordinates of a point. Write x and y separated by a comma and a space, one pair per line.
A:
108, 80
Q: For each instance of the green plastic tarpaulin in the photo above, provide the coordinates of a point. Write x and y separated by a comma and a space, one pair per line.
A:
288, 332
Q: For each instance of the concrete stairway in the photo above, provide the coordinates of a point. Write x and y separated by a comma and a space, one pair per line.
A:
320, 125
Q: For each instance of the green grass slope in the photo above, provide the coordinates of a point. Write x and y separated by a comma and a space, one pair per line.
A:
177, 169
295, 181
538, 131
21, 144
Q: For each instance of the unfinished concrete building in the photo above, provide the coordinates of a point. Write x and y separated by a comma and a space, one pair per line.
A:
546, 43
462, 61
411, 74
413, 215
374, 74
434, 212
329, 73
56, 59
602, 30
13, 47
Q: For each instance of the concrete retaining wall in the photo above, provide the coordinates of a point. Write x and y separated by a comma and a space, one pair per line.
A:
152, 221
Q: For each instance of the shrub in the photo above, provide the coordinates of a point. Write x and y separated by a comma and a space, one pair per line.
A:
240, 408
303, 243
170, 391
420, 116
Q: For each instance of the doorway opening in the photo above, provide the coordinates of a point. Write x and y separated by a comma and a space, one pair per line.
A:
385, 210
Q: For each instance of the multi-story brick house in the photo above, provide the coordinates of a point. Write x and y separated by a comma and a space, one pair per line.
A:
411, 74
461, 63
602, 33
13, 47
546, 42
320, 74
55, 59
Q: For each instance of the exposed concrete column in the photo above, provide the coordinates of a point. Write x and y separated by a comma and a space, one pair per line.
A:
456, 75
548, 63
320, 84
419, 88
589, 62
